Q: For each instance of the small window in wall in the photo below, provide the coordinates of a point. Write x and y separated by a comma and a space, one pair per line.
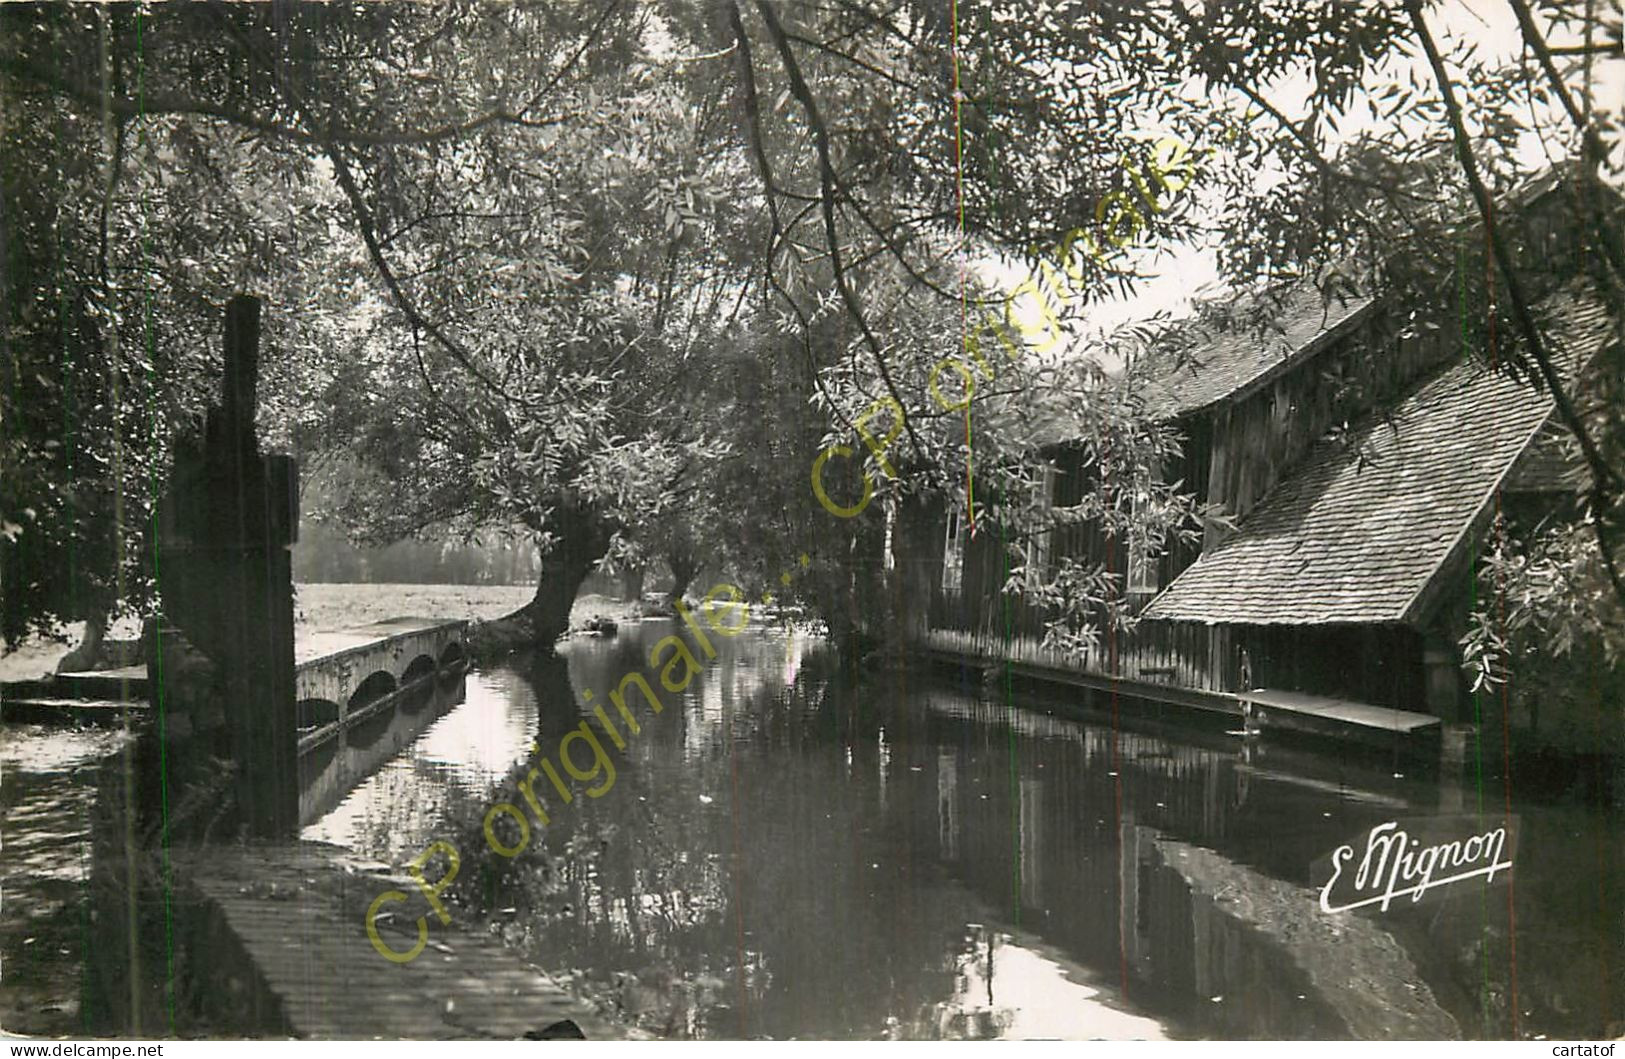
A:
953, 554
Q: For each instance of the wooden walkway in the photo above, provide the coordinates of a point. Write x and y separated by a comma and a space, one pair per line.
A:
298, 913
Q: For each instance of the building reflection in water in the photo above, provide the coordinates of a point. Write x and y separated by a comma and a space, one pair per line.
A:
948, 804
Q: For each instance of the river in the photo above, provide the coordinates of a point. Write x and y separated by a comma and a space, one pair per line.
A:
787, 852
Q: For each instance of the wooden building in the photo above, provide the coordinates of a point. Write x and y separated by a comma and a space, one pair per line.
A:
1361, 454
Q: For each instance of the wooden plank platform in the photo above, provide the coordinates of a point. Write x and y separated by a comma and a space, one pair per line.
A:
1318, 712
1283, 711
298, 911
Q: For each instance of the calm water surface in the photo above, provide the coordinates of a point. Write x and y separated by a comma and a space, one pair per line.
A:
786, 852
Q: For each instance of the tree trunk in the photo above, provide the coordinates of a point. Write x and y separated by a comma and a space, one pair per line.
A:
88, 655
834, 590
916, 544
583, 538
683, 568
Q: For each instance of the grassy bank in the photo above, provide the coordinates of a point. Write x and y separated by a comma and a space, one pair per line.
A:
322, 607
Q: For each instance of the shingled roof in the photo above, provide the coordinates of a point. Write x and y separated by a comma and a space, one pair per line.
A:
1365, 525
1227, 359
1235, 360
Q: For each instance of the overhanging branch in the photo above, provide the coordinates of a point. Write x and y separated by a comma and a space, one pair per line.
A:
1604, 479
828, 187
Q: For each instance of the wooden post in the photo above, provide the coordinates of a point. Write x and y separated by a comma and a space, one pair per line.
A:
1441, 663
260, 706
239, 402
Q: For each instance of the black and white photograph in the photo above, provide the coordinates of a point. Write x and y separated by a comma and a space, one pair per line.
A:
811, 520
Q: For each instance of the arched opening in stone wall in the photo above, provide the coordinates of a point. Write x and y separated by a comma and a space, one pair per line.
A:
313, 714
418, 683
375, 687
417, 669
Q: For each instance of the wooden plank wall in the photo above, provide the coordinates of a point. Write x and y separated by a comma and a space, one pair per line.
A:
1194, 468
1178, 654
983, 620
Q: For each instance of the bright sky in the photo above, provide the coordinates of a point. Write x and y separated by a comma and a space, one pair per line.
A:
1182, 272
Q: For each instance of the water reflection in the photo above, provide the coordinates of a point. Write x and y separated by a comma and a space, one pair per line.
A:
389, 784
788, 854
